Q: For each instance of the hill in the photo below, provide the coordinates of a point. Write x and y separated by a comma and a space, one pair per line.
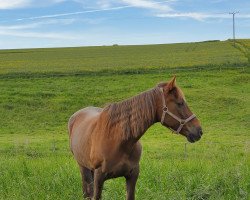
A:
42, 88
121, 58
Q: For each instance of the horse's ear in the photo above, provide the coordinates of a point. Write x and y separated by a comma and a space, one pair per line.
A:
172, 83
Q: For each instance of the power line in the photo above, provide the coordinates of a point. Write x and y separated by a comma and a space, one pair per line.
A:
233, 13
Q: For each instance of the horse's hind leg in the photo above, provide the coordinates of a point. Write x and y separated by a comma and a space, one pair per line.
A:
87, 182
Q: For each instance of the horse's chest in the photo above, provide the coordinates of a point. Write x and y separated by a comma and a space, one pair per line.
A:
122, 168
123, 164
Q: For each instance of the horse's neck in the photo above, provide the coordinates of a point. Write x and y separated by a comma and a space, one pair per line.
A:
145, 127
131, 118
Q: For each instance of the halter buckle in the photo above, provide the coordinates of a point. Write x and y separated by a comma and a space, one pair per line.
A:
165, 109
182, 122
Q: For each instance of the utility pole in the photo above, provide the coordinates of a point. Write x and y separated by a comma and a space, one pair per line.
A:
233, 13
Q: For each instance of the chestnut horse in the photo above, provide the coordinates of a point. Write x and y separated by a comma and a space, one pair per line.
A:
105, 141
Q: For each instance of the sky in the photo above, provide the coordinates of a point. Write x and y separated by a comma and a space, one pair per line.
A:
66, 23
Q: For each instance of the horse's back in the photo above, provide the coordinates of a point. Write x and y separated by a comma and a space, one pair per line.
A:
81, 125
82, 115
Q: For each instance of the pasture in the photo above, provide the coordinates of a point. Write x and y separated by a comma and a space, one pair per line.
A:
41, 88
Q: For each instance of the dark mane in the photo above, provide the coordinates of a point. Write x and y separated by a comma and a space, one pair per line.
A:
131, 116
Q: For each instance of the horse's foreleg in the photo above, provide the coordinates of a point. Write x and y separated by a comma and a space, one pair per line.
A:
131, 182
99, 179
87, 182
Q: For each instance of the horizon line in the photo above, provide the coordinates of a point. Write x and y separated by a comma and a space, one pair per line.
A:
110, 45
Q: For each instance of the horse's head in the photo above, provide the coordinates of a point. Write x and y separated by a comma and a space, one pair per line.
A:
174, 112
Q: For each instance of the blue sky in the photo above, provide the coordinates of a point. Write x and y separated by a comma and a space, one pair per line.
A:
59, 23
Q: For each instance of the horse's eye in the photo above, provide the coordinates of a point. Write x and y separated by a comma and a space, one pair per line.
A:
180, 103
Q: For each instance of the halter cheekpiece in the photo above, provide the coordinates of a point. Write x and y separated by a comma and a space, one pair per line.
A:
166, 111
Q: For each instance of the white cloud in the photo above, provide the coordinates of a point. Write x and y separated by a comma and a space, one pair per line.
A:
47, 35
72, 13
244, 16
11, 4
105, 3
15, 4
159, 6
48, 22
19, 27
99, 4
193, 15
40, 24
198, 16
33, 30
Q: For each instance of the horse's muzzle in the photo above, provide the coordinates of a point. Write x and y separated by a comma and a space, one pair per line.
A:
194, 137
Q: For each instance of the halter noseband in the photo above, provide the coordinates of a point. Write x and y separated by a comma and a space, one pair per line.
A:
166, 111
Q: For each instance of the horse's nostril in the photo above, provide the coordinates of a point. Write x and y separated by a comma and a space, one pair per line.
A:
201, 132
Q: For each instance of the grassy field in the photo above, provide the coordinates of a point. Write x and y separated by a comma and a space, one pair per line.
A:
35, 161
120, 58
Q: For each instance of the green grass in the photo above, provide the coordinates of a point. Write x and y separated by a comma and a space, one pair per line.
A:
116, 58
245, 42
35, 161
